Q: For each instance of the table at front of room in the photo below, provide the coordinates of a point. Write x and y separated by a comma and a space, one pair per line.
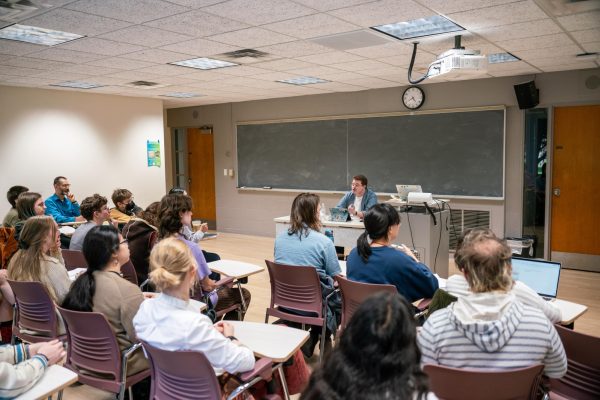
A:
430, 239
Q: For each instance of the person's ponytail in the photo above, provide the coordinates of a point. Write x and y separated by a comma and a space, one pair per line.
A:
363, 247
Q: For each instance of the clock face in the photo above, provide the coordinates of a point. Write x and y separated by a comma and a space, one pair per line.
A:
413, 97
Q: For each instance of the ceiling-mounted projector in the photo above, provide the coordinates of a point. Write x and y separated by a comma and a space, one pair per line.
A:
457, 63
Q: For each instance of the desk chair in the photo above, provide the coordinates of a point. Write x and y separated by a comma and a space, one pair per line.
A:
128, 272
296, 296
188, 375
93, 353
582, 380
200, 295
34, 312
354, 293
468, 384
73, 259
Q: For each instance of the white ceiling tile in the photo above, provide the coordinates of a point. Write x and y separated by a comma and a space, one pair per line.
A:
158, 56
75, 22
15, 48
164, 70
276, 76
243, 70
519, 30
579, 22
251, 38
312, 26
334, 57
589, 35
557, 52
201, 47
385, 50
344, 76
176, 80
195, 3
570, 66
326, 5
499, 15
107, 80
538, 42
514, 72
508, 66
422, 59
372, 83
136, 11
145, 36
121, 63
19, 71
100, 46
72, 56
382, 12
89, 69
209, 75
26, 62
295, 49
316, 71
448, 7
340, 87
27, 81
592, 47
136, 75
283, 64
360, 65
65, 76
197, 23
259, 12
394, 72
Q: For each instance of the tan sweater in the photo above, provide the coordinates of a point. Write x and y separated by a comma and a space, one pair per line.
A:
119, 301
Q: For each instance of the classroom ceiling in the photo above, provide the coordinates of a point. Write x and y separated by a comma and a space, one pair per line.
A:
134, 40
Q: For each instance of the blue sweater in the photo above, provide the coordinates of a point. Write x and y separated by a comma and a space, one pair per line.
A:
316, 250
386, 265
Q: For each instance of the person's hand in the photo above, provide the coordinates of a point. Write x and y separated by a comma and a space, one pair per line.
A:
351, 209
204, 227
71, 197
52, 350
208, 285
225, 328
80, 219
408, 252
114, 223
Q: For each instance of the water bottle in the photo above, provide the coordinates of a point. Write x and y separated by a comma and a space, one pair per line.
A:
329, 234
322, 214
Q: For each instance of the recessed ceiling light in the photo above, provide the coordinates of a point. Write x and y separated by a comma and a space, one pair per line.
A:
434, 25
77, 85
204, 63
181, 95
498, 58
303, 80
33, 34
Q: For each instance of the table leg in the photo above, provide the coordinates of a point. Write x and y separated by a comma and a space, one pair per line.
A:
286, 393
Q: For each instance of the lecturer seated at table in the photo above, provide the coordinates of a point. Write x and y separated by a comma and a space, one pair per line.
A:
62, 205
359, 199
458, 286
373, 260
22, 365
170, 322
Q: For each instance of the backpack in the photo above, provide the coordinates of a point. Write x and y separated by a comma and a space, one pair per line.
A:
8, 245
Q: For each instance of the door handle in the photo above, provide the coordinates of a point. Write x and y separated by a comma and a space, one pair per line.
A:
556, 192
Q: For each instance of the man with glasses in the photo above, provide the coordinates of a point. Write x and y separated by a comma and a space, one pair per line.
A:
62, 205
359, 199
95, 210
125, 209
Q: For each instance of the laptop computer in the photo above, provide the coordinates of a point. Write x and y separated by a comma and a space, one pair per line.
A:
404, 190
540, 275
339, 214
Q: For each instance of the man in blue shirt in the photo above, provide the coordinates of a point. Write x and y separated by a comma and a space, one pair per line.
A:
360, 199
62, 205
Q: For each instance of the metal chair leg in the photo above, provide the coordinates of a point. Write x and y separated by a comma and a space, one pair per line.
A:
286, 393
322, 344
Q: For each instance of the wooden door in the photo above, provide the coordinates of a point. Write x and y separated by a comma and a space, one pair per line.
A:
575, 224
201, 166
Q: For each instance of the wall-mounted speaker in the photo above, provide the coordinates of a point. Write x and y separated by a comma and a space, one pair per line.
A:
528, 96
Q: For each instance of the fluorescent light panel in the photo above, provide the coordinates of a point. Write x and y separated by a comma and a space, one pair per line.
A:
77, 85
182, 95
498, 58
434, 25
204, 63
35, 35
303, 80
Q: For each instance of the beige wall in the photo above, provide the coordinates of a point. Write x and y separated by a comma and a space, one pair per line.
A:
97, 141
253, 212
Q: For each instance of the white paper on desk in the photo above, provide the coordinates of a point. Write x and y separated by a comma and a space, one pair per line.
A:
74, 273
441, 281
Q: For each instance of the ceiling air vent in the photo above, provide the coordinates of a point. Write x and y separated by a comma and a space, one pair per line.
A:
247, 56
16, 10
145, 85
246, 53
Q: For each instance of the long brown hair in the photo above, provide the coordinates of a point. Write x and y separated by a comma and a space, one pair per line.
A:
25, 204
25, 264
304, 216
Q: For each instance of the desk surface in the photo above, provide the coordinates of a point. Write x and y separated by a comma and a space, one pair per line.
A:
356, 224
277, 342
235, 269
54, 379
570, 311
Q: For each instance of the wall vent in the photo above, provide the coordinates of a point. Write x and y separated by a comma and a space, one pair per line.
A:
465, 219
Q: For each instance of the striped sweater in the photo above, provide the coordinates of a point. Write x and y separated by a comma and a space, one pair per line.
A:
492, 331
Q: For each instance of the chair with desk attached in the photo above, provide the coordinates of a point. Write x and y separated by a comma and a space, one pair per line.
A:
35, 318
189, 375
354, 293
582, 380
93, 353
467, 384
128, 271
296, 296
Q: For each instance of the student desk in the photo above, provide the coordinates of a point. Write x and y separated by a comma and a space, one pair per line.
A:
430, 239
277, 342
55, 379
237, 270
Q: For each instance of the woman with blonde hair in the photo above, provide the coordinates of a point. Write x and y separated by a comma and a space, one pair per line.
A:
39, 257
170, 322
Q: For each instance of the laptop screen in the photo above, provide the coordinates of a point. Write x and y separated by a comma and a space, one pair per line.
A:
540, 275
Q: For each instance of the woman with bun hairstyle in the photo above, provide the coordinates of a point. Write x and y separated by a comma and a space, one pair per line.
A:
101, 288
374, 260
170, 322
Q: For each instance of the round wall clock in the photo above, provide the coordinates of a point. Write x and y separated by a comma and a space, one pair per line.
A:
413, 97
